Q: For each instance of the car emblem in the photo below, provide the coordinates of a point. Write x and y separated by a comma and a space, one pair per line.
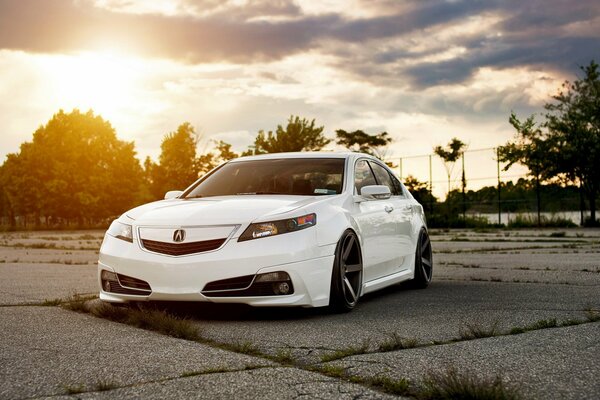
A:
179, 235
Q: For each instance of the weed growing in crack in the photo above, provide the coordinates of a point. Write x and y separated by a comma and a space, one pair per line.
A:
592, 315
400, 387
455, 385
244, 348
74, 389
346, 352
283, 356
473, 331
103, 386
51, 302
396, 342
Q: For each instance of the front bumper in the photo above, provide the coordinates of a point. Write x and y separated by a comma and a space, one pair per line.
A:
183, 278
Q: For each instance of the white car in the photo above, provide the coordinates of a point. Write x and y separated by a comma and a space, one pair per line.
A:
289, 229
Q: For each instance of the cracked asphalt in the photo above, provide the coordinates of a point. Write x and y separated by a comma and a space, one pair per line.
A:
491, 281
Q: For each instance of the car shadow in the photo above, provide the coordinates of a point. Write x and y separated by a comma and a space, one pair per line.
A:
241, 312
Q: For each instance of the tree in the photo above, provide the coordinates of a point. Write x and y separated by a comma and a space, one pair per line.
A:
298, 135
530, 148
363, 142
74, 168
450, 155
573, 127
419, 190
178, 166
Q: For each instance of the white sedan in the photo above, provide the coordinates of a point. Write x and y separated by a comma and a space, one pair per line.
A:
289, 229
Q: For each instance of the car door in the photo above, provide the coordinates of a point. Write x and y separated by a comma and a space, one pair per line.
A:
377, 227
401, 215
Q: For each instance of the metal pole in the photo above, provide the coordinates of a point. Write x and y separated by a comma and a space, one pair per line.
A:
464, 184
499, 198
400, 163
430, 187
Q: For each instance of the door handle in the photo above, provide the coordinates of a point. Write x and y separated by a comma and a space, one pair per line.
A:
388, 209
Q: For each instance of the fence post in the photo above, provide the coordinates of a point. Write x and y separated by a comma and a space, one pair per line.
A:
464, 185
499, 198
430, 188
400, 164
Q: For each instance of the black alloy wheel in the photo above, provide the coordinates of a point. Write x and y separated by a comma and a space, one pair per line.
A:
423, 261
346, 281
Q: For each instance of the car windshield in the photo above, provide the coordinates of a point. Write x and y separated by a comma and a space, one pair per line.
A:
287, 176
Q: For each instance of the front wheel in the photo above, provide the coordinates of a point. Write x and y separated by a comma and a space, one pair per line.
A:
346, 280
423, 261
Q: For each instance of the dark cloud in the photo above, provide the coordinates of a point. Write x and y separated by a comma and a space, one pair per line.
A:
533, 33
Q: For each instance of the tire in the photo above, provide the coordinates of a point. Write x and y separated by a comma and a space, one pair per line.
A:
346, 279
423, 262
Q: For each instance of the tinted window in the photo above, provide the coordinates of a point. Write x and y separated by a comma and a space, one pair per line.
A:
382, 175
397, 186
291, 176
363, 175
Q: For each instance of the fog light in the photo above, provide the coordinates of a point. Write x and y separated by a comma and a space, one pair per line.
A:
106, 286
273, 277
108, 276
281, 288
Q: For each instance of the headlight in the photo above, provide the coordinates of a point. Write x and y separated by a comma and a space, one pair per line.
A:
121, 231
265, 229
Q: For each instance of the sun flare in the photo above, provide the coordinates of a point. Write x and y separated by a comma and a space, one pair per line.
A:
104, 82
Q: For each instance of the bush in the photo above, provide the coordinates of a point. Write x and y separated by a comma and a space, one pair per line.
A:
528, 221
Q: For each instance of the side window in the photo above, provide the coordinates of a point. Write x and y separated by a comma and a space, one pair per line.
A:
383, 177
363, 175
397, 186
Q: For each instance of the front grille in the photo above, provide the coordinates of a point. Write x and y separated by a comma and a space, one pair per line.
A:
240, 282
116, 288
133, 282
181, 249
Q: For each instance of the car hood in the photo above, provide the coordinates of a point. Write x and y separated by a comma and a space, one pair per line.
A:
224, 210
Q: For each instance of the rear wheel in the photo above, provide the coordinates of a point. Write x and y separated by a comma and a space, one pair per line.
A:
423, 261
346, 280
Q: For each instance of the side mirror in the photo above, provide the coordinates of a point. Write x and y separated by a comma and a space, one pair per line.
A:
171, 194
376, 192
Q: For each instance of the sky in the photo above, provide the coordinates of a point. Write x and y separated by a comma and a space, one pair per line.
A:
424, 71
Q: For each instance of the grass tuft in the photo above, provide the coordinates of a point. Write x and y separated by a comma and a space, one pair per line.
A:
283, 356
454, 385
400, 387
346, 352
51, 302
396, 342
244, 348
152, 320
592, 315
103, 386
473, 331
74, 389
332, 370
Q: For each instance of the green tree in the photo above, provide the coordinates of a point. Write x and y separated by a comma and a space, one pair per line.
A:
178, 166
573, 128
419, 190
74, 168
298, 135
531, 148
449, 155
362, 142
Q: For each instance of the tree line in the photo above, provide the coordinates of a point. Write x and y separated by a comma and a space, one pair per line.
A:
75, 170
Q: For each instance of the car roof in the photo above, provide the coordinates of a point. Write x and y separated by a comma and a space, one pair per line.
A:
303, 154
